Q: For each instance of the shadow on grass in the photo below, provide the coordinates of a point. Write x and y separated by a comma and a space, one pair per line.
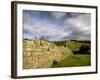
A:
81, 52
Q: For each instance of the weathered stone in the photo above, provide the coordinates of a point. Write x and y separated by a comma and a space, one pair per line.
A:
42, 53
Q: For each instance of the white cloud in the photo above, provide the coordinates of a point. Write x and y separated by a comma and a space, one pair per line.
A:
80, 26
47, 30
77, 27
44, 28
58, 15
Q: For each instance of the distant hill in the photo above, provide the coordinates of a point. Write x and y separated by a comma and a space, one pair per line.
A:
82, 41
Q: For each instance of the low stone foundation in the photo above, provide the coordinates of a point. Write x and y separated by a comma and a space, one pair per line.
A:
42, 54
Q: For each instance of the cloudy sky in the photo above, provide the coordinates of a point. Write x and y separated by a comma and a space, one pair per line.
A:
56, 26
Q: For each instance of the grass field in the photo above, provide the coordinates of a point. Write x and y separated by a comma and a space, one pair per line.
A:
73, 45
74, 60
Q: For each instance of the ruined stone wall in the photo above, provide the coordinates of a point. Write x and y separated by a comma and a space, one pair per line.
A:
41, 53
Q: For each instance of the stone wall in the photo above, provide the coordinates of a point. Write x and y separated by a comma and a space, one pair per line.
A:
41, 53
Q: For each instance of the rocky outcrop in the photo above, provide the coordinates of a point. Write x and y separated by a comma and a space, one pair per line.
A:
42, 53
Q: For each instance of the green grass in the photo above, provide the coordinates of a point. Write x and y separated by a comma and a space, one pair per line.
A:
74, 60
73, 45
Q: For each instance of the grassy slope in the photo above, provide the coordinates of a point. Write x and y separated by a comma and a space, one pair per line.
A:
73, 46
74, 60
